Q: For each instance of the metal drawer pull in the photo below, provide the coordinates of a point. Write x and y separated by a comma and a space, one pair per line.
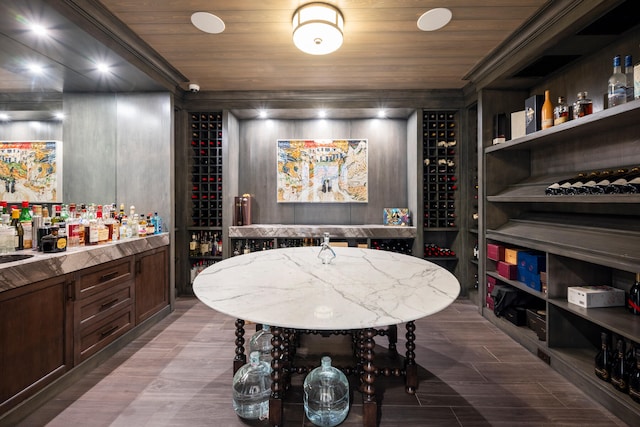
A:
108, 276
108, 304
108, 331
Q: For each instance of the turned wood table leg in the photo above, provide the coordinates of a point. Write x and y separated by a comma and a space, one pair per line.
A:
411, 380
241, 358
369, 407
277, 377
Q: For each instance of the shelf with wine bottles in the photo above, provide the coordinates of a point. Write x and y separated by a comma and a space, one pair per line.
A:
440, 158
206, 169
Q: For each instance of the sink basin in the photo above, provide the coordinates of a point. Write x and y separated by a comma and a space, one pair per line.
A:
13, 257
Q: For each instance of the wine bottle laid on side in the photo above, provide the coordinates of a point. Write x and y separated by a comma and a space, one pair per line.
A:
604, 358
634, 378
619, 373
562, 187
617, 182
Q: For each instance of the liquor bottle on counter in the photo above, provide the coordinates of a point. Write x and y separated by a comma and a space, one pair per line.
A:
619, 374
604, 359
583, 106
546, 114
26, 220
17, 224
132, 222
142, 226
103, 231
633, 298
628, 72
617, 88
634, 378
560, 112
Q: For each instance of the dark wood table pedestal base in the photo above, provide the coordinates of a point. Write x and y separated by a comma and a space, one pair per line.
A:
284, 342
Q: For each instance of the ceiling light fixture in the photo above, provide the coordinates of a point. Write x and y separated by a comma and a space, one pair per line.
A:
39, 30
4, 116
103, 68
322, 114
36, 68
318, 28
434, 19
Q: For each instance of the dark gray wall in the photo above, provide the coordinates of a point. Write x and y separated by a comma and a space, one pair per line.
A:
119, 148
387, 169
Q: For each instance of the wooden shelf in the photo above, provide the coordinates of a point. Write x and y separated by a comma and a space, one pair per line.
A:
615, 319
518, 285
613, 247
621, 116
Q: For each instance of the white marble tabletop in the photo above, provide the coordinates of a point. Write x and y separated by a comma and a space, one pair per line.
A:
361, 288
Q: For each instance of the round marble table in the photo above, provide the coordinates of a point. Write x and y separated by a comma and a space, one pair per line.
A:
360, 290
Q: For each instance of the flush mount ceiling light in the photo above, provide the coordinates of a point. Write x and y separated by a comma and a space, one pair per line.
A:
317, 28
207, 22
434, 19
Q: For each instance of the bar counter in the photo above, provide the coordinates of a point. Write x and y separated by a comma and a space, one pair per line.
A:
47, 265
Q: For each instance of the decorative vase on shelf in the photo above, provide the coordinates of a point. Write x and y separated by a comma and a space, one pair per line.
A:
326, 395
252, 388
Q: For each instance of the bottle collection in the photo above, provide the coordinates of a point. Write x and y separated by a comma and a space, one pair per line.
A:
620, 90
35, 227
403, 246
206, 182
619, 364
431, 250
610, 181
440, 182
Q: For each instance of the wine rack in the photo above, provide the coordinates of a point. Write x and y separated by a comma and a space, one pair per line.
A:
440, 183
206, 169
402, 246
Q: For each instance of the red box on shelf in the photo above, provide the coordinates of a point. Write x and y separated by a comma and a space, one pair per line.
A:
490, 302
495, 252
491, 283
509, 271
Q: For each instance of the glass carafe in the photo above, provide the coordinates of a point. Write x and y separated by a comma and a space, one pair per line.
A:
261, 342
252, 388
326, 395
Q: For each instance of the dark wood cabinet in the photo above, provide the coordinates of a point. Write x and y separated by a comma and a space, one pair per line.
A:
152, 283
104, 306
36, 338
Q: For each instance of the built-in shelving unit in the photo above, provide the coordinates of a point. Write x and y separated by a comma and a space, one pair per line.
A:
585, 239
440, 195
206, 187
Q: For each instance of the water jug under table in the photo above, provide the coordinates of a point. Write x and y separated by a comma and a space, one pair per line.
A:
251, 389
326, 395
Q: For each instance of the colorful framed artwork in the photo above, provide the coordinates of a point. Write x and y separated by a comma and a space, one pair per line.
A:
31, 170
396, 216
322, 171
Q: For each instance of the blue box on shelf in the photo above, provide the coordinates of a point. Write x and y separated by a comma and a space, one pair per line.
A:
532, 280
535, 262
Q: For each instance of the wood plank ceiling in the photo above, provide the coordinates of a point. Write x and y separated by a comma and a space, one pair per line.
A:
383, 48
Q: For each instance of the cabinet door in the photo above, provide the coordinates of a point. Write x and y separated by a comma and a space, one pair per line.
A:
35, 337
152, 283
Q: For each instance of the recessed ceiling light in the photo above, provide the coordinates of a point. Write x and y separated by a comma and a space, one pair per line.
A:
103, 68
382, 114
322, 114
39, 30
434, 19
36, 68
262, 114
207, 22
4, 116
59, 115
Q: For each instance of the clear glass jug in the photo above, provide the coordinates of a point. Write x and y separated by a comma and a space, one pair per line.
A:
252, 388
261, 341
326, 395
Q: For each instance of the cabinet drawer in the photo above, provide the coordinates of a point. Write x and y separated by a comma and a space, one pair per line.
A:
100, 305
94, 280
101, 333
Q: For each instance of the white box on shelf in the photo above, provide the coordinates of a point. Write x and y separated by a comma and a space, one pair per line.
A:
595, 296
518, 124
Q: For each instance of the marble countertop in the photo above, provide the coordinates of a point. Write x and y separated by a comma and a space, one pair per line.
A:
46, 265
266, 231
290, 287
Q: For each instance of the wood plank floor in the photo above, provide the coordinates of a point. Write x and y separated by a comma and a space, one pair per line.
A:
179, 374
